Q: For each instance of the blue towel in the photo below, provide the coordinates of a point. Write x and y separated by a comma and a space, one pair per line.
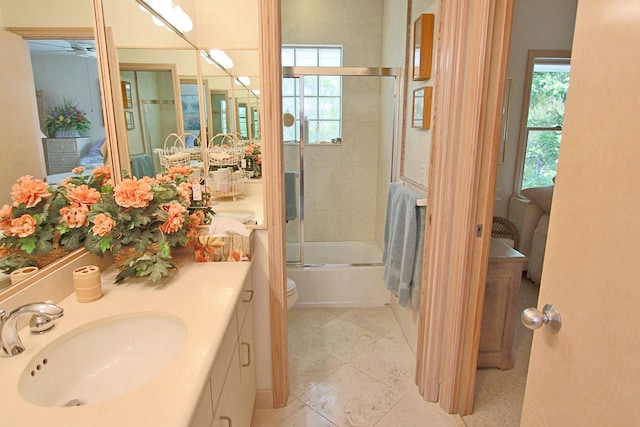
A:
290, 210
416, 280
401, 243
142, 166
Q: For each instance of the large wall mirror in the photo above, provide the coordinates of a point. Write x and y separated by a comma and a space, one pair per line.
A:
160, 72
155, 68
50, 58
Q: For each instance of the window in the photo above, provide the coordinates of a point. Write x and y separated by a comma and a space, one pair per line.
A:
322, 94
542, 131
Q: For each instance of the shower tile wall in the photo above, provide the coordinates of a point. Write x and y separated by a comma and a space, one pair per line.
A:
340, 180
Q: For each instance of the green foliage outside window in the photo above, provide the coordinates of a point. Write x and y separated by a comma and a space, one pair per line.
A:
544, 127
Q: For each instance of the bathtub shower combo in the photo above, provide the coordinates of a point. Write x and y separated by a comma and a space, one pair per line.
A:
338, 159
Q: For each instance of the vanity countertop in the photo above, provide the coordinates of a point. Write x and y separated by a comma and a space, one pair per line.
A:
202, 295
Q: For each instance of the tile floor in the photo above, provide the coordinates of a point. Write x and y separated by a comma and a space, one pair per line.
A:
350, 367
353, 367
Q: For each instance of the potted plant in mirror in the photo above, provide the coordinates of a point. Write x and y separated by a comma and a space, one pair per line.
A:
65, 120
140, 222
44, 223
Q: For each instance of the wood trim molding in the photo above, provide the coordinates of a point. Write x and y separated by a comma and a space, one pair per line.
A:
271, 104
462, 179
37, 33
109, 88
495, 60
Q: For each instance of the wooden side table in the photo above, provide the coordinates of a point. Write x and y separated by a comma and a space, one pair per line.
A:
500, 312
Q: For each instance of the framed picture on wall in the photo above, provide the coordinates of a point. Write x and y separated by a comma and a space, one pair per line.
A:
421, 117
128, 118
423, 46
127, 98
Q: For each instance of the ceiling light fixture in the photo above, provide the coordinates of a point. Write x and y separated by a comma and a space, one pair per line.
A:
173, 14
221, 58
243, 81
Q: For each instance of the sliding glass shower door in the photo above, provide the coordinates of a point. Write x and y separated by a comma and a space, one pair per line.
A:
335, 146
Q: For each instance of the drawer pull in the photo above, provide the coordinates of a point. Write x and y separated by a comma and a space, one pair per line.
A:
227, 419
250, 296
248, 354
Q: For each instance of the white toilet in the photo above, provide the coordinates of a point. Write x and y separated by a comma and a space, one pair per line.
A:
292, 293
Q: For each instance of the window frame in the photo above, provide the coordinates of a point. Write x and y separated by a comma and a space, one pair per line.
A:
299, 98
534, 57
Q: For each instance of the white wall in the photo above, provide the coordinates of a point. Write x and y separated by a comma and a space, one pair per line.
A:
542, 24
75, 78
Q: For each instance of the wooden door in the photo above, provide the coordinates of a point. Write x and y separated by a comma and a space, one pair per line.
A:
588, 374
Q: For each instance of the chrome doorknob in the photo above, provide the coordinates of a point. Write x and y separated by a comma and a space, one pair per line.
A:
550, 316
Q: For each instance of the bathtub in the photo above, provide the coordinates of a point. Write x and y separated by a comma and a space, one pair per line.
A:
339, 274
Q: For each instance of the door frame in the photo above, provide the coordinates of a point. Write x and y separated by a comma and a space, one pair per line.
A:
473, 40
473, 44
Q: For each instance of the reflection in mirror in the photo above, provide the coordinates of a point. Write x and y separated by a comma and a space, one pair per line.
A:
222, 107
152, 61
52, 60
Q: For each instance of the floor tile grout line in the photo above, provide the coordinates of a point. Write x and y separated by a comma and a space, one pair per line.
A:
402, 391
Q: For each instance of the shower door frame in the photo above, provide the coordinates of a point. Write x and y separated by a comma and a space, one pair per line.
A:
300, 73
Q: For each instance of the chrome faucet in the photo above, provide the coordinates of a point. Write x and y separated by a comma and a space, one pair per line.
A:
43, 315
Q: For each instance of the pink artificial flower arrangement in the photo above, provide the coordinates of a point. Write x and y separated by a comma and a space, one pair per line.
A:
45, 222
141, 220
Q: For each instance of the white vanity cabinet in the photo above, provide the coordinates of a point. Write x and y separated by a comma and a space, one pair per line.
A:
228, 397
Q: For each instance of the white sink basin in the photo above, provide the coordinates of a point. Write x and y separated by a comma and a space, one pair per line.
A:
102, 359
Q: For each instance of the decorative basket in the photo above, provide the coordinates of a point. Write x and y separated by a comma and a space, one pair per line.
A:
67, 133
230, 186
225, 149
42, 260
174, 152
121, 258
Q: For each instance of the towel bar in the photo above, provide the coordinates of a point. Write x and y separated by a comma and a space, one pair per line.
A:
419, 202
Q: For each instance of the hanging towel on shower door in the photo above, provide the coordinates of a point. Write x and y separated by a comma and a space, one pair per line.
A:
400, 237
290, 210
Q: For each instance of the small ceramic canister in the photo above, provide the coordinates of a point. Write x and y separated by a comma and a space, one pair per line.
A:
86, 281
22, 273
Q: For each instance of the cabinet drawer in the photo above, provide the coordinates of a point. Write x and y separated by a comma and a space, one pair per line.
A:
63, 160
61, 145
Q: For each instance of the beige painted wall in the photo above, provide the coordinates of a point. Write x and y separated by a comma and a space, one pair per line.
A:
417, 144
543, 24
394, 23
